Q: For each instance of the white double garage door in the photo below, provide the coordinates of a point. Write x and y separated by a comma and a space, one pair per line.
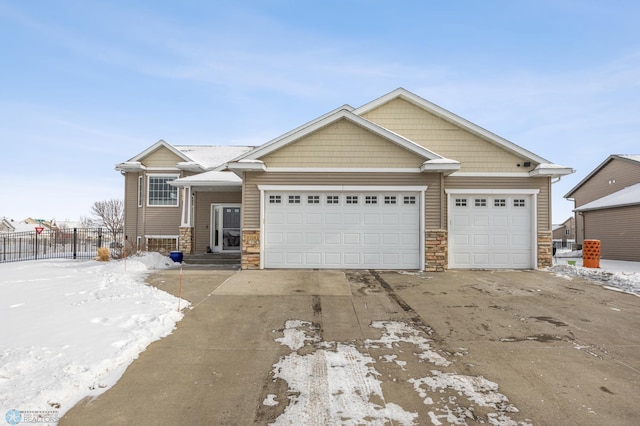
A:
383, 230
342, 229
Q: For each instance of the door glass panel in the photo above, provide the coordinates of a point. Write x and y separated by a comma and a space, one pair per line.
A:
231, 228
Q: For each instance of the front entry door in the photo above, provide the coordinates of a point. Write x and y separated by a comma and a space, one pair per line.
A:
225, 228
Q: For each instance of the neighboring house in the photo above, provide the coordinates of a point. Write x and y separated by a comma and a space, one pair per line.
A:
564, 234
398, 183
607, 206
9, 225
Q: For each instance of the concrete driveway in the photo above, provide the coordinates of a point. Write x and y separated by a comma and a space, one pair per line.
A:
370, 347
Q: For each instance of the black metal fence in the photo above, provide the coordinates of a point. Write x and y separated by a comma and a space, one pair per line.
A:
71, 243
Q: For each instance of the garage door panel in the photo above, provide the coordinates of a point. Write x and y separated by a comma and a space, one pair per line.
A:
331, 219
351, 239
313, 219
342, 230
496, 233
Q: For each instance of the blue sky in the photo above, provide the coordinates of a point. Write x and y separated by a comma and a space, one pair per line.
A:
87, 84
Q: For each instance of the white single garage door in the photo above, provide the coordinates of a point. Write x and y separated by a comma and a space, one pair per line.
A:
490, 231
350, 230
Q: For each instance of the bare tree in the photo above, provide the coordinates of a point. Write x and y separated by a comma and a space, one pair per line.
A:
111, 214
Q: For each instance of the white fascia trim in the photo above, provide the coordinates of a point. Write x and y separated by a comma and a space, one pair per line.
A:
366, 124
161, 236
247, 165
131, 166
451, 117
157, 145
490, 174
266, 145
551, 171
492, 191
360, 188
343, 170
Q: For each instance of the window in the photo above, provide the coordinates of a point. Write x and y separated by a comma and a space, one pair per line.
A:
294, 199
480, 202
409, 199
389, 199
160, 192
140, 191
313, 199
162, 243
371, 199
275, 199
499, 202
461, 202
333, 199
519, 202
352, 199
567, 232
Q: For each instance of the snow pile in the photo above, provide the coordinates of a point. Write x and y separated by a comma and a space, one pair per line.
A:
617, 275
72, 327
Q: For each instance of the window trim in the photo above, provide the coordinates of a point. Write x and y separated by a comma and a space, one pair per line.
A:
170, 176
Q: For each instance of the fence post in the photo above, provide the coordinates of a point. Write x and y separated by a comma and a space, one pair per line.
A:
75, 241
36, 246
99, 237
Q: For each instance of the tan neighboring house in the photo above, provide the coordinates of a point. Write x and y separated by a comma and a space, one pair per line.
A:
398, 183
564, 234
607, 207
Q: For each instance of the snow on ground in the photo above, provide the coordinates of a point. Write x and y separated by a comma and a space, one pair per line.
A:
613, 274
71, 327
338, 383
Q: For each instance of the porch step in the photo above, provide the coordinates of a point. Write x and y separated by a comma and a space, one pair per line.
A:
217, 260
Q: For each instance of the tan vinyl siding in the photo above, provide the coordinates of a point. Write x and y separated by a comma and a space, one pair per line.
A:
251, 194
543, 184
616, 242
446, 139
343, 144
162, 157
202, 212
623, 172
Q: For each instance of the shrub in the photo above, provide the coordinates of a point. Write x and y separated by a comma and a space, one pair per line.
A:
103, 254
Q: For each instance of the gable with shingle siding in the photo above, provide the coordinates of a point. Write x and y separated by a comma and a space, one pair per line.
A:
342, 144
447, 139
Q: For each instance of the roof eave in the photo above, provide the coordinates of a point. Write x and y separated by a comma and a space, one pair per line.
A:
551, 170
130, 166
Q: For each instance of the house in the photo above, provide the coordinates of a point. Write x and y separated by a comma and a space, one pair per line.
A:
564, 234
607, 207
10, 225
398, 183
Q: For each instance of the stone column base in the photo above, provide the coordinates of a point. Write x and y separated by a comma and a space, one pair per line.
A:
185, 240
545, 249
436, 250
250, 249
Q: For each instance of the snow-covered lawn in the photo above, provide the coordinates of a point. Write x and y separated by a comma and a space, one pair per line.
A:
71, 328
613, 274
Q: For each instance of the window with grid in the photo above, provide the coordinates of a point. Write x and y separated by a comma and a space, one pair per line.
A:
275, 199
333, 199
480, 202
389, 199
371, 199
294, 199
160, 193
162, 244
352, 199
461, 202
313, 199
519, 202
409, 199
499, 202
